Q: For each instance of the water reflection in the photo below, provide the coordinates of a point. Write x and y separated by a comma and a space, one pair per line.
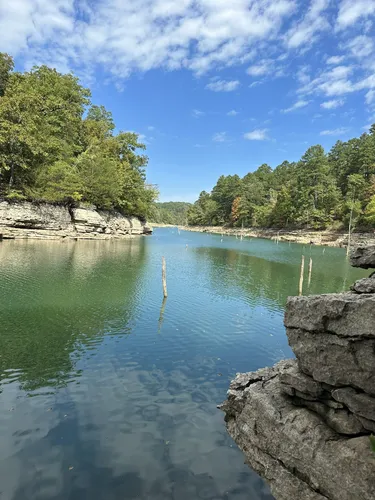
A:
55, 301
106, 392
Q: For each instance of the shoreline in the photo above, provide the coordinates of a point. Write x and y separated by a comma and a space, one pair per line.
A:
321, 238
27, 220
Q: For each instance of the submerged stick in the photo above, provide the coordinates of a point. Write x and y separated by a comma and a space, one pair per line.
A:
161, 317
164, 277
301, 275
310, 270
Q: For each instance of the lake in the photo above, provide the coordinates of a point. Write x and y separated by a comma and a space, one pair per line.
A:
105, 394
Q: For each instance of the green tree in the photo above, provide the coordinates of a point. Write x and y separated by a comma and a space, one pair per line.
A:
6, 67
40, 123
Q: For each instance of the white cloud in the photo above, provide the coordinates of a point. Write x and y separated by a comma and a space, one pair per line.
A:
331, 82
197, 113
259, 134
306, 31
125, 37
298, 105
335, 60
223, 85
360, 46
352, 10
332, 104
303, 75
336, 131
370, 97
220, 137
233, 112
256, 83
261, 68
150, 128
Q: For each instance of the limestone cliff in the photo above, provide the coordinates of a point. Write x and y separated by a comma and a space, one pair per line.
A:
304, 424
31, 220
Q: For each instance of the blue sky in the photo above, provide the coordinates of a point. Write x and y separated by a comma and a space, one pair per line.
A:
213, 86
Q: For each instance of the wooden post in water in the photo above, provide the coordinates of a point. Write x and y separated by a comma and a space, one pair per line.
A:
164, 277
310, 270
161, 317
301, 275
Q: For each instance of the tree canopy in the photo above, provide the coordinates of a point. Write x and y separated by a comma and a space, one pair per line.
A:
320, 190
170, 212
56, 146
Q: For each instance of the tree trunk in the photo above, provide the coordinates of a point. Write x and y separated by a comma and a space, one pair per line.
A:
11, 178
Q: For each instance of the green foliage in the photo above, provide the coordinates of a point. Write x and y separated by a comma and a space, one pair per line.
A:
372, 443
6, 67
50, 151
321, 190
171, 212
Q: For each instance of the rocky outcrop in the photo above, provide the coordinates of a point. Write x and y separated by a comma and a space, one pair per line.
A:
304, 424
31, 220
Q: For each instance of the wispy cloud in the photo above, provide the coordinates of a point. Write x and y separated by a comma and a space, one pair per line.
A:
261, 68
305, 32
197, 113
336, 131
259, 134
150, 128
298, 105
332, 104
223, 85
335, 60
220, 137
233, 112
351, 11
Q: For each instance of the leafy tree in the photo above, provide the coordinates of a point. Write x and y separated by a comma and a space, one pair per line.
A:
370, 212
6, 67
50, 151
171, 212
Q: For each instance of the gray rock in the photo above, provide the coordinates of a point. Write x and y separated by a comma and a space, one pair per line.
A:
301, 382
357, 402
337, 361
367, 424
332, 403
340, 420
345, 314
286, 389
44, 221
363, 256
282, 441
28, 215
365, 285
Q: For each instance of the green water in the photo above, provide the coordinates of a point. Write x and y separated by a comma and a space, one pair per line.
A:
104, 397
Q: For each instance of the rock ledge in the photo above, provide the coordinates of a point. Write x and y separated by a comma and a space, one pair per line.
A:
304, 424
44, 221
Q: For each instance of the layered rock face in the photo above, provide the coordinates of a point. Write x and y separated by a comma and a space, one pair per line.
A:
304, 424
29, 220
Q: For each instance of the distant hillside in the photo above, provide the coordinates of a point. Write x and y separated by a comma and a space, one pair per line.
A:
171, 212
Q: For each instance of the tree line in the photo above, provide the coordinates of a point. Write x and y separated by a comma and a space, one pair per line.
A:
170, 212
56, 146
321, 190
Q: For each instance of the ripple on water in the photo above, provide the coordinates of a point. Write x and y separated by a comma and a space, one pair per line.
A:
106, 392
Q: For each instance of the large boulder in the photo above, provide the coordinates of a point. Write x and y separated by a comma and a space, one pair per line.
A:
337, 361
88, 220
344, 314
363, 256
292, 447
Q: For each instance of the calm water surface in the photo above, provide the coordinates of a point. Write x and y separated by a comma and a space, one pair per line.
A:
103, 395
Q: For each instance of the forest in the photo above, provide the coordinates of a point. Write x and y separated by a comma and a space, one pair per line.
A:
170, 212
56, 146
321, 190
